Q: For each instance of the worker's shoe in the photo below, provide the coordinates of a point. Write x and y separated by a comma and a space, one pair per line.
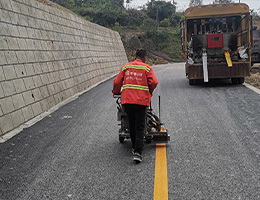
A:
137, 157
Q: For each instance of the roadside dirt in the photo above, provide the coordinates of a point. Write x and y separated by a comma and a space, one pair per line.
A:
254, 78
151, 59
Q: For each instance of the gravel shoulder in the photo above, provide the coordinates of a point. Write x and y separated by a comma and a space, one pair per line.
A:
254, 78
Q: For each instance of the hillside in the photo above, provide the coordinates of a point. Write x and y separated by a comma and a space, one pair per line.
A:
163, 44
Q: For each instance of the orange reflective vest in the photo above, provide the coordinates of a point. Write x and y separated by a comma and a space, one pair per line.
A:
137, 81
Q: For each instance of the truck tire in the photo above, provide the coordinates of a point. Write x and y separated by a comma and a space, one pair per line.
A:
234, 80
241, 80
192, 81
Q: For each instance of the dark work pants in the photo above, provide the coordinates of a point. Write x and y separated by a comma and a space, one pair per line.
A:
137, 117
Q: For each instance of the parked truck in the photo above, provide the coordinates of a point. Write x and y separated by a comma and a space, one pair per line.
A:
255, 56
216, 41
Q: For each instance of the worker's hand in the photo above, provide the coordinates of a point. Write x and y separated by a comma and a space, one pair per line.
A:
116, 93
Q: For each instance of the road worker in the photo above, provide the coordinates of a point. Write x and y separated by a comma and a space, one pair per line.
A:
138, 82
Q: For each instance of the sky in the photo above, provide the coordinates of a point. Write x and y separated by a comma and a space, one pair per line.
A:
183, 4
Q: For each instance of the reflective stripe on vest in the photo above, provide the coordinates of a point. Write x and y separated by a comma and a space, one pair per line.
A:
135, 67
137, 87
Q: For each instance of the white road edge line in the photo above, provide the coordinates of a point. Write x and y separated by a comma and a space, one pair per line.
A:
33, 121
252, 88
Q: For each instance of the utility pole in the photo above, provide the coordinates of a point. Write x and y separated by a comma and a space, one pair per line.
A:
173, 3
157, 17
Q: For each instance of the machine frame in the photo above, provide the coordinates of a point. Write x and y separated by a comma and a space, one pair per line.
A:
154, 128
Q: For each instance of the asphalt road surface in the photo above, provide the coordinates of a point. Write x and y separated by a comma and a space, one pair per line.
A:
214, 152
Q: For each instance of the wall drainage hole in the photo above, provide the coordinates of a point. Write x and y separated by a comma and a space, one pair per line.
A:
32, 96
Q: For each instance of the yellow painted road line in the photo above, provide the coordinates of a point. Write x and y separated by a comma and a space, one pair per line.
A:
161, 179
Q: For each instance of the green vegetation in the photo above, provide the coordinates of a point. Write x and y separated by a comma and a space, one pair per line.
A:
166, 40
155, 26
109, 12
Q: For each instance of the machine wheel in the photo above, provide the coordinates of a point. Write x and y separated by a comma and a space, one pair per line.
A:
121, 139
241, 80
155, 122
148, 140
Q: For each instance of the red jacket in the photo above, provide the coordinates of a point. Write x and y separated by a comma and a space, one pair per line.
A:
138, 81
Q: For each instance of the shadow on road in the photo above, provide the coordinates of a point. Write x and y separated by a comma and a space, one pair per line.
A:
215, 83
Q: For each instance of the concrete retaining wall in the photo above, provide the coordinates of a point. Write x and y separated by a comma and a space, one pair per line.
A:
47, 55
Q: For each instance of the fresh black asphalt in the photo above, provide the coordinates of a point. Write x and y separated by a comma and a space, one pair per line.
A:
74, 153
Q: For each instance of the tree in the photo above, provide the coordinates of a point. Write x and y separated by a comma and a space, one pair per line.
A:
127, 2
195, 3
132, 44
222, 1
176, 19
109, 12
103, 12
165, 23
160, 10
255, 15
148, 24
136, 17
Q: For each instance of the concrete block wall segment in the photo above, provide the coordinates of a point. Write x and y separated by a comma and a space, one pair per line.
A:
18, 101
27, 113
7, 105
6, 123
47, 56
17, 118
1, 92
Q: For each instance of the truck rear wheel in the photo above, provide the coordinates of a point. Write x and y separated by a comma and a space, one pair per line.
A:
238, 80
234, 80
192, 81
241, 80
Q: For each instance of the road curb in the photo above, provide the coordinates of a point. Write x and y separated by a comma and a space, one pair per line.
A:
252, 88
38, 118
